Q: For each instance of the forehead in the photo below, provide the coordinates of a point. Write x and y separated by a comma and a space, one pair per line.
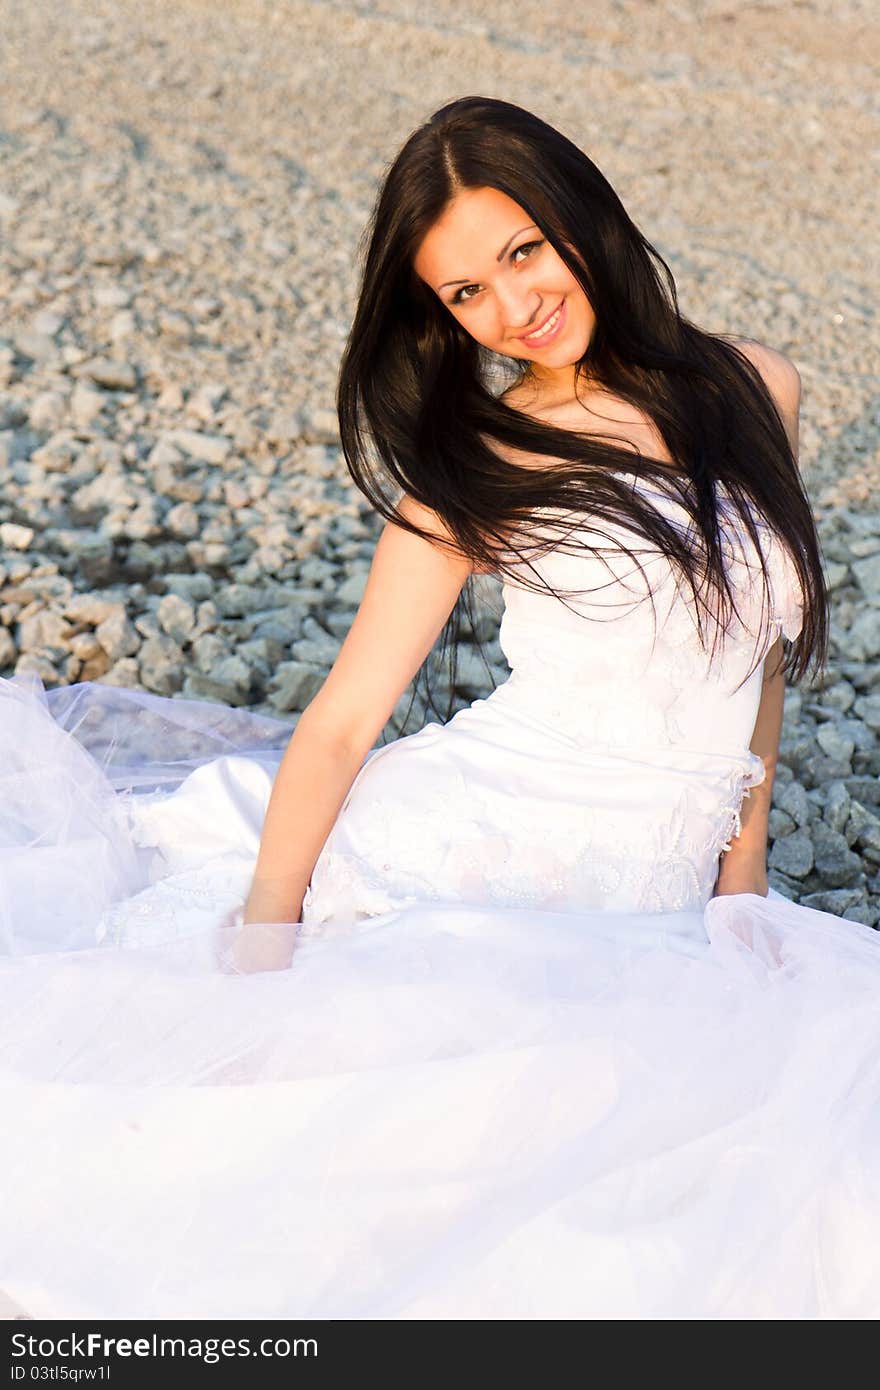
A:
468, 234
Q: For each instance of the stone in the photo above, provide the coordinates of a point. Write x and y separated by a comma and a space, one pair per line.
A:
208, 448
792, 798
124, 672
41, 665
867, 576
15, 537
160, 665
863, 638
835, 862
208, 651
88, 608
116, 634
863, 826
110, 373
92, 553
183, 521
866, 913
835, 744
294, 684
351, 590
177, 617
867, 707
47, 411
835, 900
837, 804
792, 855
43, 629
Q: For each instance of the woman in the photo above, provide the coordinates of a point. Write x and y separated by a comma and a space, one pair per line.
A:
549, 1046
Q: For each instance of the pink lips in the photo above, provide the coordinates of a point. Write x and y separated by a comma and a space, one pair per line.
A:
554, 332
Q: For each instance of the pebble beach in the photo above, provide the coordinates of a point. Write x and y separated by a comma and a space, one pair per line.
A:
183, 190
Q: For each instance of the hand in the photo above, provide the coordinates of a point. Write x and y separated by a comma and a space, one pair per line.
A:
263, 946
250, 947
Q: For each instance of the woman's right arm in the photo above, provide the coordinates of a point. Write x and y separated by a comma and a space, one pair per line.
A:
412, 588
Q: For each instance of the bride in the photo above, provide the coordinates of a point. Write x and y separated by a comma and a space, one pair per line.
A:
500, 1019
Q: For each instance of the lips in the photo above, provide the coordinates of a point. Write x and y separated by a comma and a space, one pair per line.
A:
529, 337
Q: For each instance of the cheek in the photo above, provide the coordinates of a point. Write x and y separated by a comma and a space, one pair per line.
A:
480, 324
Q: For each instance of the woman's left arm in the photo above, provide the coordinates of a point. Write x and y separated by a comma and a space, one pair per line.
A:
743, 868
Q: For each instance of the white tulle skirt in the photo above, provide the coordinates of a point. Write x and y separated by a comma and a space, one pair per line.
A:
441, 1112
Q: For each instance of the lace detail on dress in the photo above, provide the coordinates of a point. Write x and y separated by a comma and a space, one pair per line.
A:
569, 857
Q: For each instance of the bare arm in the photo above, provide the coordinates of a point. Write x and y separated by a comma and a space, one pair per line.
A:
411, 589
743, 868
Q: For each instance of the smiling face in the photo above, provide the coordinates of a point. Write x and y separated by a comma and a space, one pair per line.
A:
495, 272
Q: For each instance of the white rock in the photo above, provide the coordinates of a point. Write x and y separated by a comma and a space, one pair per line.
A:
15, 537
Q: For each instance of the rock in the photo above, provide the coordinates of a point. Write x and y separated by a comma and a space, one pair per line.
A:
863, 826
208, 651
86, 405
863, 638
88, 608
47, 411
321, 651
160, 665
228, 682
85, 645
110, 373
788, 887
285, 427
834, 860
190, 586
779, 823
15, 537
839, 696
294, 684
111, 296
866, 913
835, 900
8, 649
183, 521
177, 617
837, 805
38, 662
867, 707
44, 629
867, 576
864, 789
835, 744
92, 553
116, 634
792, 798
262, 654
351, 590
209, 448
792, 855
124, 672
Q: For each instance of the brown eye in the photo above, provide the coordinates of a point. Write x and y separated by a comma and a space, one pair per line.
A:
527, 246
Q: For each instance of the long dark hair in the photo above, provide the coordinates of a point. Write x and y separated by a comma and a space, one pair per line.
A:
416, 409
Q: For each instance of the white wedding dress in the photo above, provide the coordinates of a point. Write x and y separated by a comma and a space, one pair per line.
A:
524, 1064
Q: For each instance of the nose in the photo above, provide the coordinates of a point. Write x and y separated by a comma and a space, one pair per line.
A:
520, 308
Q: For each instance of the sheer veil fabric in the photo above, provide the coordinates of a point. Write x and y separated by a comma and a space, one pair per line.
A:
524, 1064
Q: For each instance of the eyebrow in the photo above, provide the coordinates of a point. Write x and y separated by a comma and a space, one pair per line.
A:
499, 257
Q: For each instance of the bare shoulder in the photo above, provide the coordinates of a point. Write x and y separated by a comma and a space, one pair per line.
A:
779, 372
442, 540
781, 377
